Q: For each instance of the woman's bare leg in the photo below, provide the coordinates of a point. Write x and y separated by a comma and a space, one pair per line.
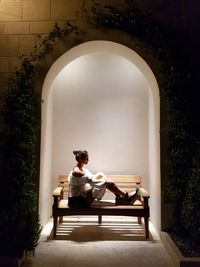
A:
89, 196
111, 185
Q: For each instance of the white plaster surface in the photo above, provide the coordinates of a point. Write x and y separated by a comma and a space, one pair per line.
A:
100, 103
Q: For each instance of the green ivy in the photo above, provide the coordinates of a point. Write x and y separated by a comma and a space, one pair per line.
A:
174, 78
19, 221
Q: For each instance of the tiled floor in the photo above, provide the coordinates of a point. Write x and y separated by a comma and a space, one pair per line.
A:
117, 242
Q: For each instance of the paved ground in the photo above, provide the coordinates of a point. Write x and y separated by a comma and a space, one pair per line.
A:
82, 242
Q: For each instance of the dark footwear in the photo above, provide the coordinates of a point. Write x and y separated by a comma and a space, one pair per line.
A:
126, 196
134, 197
119, 200
127, 200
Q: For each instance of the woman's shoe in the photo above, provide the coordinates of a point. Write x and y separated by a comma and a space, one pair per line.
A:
134, 197
127, 200
119, 200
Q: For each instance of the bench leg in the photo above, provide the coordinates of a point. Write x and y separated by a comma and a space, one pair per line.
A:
99, 219
61, 219
146, 222
55, 221
139, 220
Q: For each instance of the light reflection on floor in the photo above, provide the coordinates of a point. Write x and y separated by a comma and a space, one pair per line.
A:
82, 229
81, 241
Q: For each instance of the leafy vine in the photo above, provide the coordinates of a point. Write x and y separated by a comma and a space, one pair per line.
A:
19, 223
174, 78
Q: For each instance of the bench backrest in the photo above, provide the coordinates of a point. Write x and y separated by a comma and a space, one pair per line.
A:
125, 182
63, 181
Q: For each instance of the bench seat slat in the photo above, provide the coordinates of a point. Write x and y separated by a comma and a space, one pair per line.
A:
63, 204
122, 211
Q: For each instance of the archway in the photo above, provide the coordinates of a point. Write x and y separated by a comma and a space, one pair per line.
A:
92, 48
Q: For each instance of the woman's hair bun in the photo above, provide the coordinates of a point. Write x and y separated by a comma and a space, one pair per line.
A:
80, 154
75, 152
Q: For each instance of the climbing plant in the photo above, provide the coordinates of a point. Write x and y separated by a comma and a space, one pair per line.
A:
174, 78
19, 221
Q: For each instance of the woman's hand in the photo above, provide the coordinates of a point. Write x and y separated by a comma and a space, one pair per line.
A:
99, 176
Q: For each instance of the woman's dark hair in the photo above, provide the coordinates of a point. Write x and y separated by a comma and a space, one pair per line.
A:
80, 154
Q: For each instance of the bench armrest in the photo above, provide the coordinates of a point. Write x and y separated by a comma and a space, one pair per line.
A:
57, 195
58, 191
144, 193
145, 196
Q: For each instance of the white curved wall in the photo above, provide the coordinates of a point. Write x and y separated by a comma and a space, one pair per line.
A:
116, 87
100, 103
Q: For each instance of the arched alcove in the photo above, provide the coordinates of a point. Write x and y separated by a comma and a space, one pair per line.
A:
100, 103
151, 151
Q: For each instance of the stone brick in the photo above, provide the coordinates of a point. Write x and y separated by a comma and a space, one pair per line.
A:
4, 64
1, 28
36, 10
4, 81
11, 10
9, 45
16, 27
41, 27
118, 3
26, 44
64, 9
8, 64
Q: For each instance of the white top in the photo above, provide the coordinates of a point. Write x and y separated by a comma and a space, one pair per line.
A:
79, 185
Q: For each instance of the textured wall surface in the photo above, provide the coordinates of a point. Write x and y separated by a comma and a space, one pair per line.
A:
22, 20
20, 23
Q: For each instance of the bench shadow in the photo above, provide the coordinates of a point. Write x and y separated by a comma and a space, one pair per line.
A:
87, 232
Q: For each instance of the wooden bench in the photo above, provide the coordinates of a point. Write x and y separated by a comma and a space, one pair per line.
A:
139, 209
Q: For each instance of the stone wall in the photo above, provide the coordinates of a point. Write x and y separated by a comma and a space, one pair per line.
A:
22, 20
20, 23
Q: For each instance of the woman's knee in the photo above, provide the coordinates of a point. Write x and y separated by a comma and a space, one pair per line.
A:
89, 196
110, 185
